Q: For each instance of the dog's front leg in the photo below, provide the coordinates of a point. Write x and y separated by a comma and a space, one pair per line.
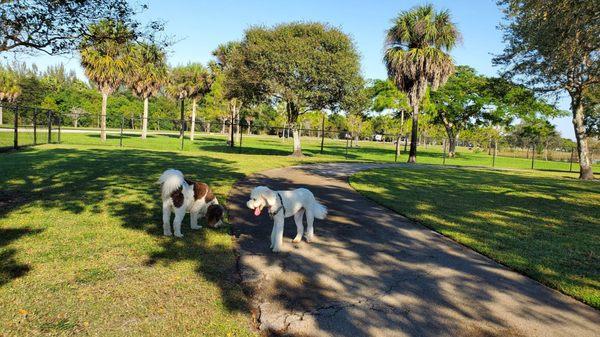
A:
194, 220
272, 236
167, 219
278, 229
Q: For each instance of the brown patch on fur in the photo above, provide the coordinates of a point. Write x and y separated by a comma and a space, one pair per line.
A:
214, 213
177, 197
201, 190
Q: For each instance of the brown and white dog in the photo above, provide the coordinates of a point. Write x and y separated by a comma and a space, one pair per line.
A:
181, 196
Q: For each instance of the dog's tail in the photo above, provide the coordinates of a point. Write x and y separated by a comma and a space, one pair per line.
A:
319, 211
170, 181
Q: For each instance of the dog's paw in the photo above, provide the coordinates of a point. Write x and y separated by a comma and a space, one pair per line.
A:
179, 235
310, 238
297, 239
167, 234
276, 250
196, 227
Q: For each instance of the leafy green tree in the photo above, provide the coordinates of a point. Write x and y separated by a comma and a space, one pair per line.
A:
385, 95
9, 88
238, 82
214, 104
591, 103
460, 103
57, 26
416, 56
309, 66
106, 59
553, 46
147, 75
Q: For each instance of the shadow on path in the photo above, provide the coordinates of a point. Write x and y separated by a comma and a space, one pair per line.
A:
373, 273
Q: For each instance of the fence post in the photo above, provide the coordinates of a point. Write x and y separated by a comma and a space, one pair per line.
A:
444, 152
397, 147
35, 112
532, 155
322, 131
16, 135
121, 131
182, 133
49, 116
347, 140
241, 136
571, 161
59, 127
495, 149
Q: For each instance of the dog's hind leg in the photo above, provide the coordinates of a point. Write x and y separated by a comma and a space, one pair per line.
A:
167, 218
179, 214
299, 226
310, 230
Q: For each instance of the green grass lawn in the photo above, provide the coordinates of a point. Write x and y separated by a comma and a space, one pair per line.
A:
543, 226
271, 145
81, 250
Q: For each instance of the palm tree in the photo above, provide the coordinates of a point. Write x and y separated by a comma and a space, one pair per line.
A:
9, 89
417, 56
148, 74
190, 81
106, 59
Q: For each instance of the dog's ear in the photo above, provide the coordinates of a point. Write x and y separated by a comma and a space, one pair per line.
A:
214, 214
267, 194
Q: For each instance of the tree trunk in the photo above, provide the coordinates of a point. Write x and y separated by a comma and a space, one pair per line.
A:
193, 128
412, 155
208, 127
293, 113
1, 114
297, 144
585, 164
145, 119
103, 117
452, 137
223, 126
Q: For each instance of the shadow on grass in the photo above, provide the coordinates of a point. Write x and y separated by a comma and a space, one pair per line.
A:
10, 268
123, 184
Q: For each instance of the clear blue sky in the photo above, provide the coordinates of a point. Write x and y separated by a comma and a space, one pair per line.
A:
202, 25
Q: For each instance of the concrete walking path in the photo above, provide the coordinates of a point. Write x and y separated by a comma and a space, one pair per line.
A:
372, 272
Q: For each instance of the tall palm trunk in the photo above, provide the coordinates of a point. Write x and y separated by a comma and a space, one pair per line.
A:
585, 164
412, 155
193, 127
103, 116
145, 119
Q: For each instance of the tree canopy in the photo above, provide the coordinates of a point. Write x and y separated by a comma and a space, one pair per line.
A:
554, 46
58, 26
309, 66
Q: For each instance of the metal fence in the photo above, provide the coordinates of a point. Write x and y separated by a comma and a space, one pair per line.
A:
28, 126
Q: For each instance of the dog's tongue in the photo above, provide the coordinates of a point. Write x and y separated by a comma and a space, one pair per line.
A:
257, 211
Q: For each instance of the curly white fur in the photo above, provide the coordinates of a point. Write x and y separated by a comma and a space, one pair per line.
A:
296, 203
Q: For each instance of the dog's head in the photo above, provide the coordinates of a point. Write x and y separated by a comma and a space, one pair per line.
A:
260, 197
214, 215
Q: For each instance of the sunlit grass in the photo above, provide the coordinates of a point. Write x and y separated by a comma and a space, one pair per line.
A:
541, 225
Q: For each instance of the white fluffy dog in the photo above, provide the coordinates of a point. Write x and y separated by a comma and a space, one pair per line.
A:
181, 196
284, 204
